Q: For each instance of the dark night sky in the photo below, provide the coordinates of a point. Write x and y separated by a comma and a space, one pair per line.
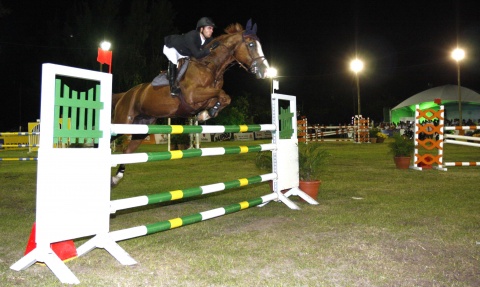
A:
405, 45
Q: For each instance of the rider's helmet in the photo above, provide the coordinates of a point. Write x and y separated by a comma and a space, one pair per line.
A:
205, 21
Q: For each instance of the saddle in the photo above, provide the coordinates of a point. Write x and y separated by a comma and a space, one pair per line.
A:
184, 110
162, 80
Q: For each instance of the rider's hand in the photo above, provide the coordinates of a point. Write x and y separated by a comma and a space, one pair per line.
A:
214, 46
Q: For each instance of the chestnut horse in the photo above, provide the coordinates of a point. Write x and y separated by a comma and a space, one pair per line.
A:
201, 86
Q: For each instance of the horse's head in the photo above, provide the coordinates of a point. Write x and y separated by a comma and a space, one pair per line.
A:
249, 52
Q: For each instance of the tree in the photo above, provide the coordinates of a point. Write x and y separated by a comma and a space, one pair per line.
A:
3, 11
234, 114
135, 28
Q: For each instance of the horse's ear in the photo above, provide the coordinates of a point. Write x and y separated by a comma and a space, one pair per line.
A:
254, 30
249, 25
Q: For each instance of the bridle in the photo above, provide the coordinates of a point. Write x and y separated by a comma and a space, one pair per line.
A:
254, 65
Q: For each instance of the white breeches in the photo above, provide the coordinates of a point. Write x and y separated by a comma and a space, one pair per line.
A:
172, 54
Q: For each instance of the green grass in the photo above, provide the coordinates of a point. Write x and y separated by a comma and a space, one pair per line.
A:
375, 225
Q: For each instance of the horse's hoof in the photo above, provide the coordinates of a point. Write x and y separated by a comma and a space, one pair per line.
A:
203, 116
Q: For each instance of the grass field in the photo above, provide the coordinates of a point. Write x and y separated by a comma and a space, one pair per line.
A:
375, 225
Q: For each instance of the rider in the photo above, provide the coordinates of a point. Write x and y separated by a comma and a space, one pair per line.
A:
187, 45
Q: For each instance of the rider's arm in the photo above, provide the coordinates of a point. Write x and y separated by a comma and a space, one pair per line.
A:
193, 43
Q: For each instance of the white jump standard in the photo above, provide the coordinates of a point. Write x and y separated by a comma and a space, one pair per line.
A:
79, 205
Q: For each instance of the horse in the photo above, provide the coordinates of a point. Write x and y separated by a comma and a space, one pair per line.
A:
201, 86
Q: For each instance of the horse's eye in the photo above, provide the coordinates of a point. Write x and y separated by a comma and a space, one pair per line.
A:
251, 44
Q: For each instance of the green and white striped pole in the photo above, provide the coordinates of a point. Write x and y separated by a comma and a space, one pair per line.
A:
148, 229
137, 201
177, 154
180, 129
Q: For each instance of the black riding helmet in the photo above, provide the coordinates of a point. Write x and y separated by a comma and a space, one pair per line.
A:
205, 21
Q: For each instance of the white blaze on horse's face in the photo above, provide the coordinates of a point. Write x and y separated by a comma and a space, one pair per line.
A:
258, 63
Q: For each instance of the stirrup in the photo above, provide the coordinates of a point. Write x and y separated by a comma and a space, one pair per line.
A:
174, 91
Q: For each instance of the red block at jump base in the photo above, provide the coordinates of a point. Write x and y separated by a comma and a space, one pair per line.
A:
424, 165
65, 250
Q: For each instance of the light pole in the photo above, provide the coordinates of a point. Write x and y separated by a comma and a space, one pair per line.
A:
458, 55
356, 66
271, 73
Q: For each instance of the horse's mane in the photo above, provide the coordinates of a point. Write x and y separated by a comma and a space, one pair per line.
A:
233, 28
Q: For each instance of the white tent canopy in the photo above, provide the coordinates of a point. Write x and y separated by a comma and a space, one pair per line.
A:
448, 94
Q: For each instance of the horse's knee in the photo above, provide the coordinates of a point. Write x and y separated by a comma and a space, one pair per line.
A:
227, 100
224, 99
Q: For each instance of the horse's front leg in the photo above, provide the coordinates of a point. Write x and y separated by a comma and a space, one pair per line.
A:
222, 101
132, 146
214, 106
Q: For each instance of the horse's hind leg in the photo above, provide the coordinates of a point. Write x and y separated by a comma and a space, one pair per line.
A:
121, 169
134, 143
132, 146
118, 176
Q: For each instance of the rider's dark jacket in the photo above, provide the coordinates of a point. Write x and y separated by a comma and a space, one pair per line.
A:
189, 44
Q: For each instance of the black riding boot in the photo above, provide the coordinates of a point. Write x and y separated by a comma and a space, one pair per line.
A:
172, 77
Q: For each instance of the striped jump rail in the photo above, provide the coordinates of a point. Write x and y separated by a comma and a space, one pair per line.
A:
138, 231
330, 133
19, 140
18, 158
335, 140
18, 145
2, 134
443, 138
470, 138
166, 196
464, 143
462, 163
178, 154
318, 132
447, 137
334, 129
461, 128
116, 129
